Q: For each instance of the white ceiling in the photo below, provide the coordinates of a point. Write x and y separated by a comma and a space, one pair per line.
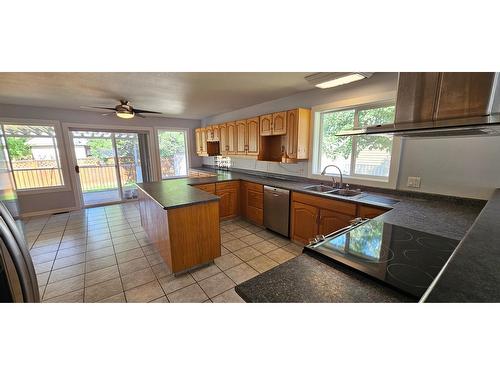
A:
183, 95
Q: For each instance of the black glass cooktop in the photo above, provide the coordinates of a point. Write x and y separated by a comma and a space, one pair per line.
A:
401, 257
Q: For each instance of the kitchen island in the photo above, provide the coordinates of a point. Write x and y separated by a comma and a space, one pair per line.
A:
182, 223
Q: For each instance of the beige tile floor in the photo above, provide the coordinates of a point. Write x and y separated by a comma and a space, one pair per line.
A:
103, 255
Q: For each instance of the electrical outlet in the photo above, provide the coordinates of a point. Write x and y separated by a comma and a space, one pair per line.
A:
413, 182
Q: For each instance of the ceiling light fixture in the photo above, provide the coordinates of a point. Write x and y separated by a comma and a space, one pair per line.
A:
328, 80
126, 115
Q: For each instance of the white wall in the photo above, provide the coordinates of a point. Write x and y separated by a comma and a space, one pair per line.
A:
467, 167
66, 199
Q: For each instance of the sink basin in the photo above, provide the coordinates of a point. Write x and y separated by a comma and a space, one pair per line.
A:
320, 188
345, 192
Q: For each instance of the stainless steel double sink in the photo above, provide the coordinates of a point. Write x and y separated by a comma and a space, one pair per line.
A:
333, 191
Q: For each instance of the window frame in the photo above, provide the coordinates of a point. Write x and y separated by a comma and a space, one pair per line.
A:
359, 179
60, 151
186, 147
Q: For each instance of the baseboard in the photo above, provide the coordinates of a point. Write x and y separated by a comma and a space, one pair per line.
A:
48, 212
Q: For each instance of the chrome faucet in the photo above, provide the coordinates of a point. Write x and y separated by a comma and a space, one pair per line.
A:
333, 177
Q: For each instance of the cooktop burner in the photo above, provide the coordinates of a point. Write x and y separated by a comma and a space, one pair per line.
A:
401, 257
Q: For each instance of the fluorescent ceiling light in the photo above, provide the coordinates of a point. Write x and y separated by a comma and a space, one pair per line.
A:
126, 115
328, 80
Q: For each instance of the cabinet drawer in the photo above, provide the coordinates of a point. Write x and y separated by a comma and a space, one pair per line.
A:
255, 199
328, 204
206, 187
254, 186
229, 185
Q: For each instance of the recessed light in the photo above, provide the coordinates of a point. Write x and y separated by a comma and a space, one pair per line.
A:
328, 80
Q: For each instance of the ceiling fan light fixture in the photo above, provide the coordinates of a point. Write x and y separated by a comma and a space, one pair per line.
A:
125, 115
329, 80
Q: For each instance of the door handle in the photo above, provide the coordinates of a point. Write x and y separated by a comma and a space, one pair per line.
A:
77, 169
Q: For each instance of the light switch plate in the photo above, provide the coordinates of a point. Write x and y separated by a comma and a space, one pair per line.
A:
413, 182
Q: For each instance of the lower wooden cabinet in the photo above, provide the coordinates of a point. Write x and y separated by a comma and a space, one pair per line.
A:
369, 212
210, 188
304, 218
229, 198
330, 221
252, 202
312, 215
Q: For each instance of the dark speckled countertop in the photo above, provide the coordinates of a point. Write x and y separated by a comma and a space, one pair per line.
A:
312, 280
473, 272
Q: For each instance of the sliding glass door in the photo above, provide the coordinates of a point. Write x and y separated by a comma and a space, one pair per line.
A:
108, 164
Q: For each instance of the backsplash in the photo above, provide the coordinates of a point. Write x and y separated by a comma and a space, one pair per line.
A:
299, 169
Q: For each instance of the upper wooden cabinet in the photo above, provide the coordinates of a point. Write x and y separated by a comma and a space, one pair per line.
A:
201, 141
266, 122
252, 133
273, 124
241, 137
297, 136
223, 141
279, 123
231, 137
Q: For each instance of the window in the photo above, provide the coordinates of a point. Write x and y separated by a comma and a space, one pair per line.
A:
33, 155
173, 153
357, 156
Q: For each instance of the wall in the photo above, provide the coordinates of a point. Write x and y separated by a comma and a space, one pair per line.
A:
66, 199
467, 167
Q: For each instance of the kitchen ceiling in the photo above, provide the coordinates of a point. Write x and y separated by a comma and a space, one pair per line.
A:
182, 95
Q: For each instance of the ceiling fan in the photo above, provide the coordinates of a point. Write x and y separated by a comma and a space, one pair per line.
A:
125, 110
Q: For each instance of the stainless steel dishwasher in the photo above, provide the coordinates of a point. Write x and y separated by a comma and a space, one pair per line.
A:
277, 209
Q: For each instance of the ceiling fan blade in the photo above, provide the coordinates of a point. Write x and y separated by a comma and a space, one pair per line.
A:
144, 111
108, 108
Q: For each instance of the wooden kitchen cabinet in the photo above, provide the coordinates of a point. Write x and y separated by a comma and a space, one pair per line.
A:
252, 133
330, 221
304, 221
231, 138
210, 188
266, 122
311, 215
252, 202
369, 212
201, 141
241, 136
229, 198
223, 140
279, 123
297, 135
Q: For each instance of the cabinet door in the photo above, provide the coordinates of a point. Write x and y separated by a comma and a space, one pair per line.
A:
279, 123
216, 132
462, 94
368, 212
203, 138
198, 141
231, 138
304, 222
266, 125
241, 137
291, 133
228, 203
223, 144
330, 221
253, 136
210, 188
210, 133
